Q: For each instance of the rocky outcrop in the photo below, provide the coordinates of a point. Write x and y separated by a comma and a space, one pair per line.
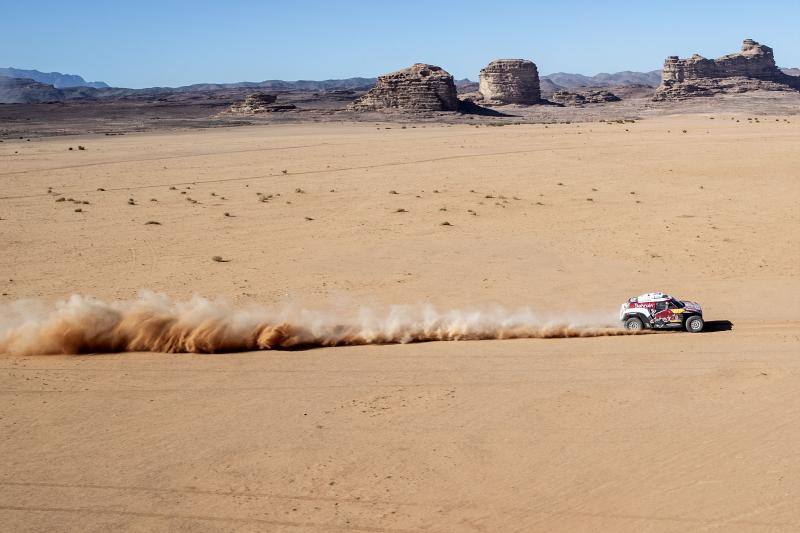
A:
420, 87
572, 98
510, 81
259, 103
751, 69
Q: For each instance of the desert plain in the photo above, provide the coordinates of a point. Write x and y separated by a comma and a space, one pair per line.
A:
659, 432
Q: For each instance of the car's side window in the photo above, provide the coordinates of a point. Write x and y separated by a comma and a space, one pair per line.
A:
660, 306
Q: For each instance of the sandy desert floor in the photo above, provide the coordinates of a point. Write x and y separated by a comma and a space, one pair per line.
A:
666, 432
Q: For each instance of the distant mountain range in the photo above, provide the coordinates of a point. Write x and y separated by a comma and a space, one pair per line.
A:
32, 86
627, 77
280, 85
624, 78
56, 79
29, 90
26, 91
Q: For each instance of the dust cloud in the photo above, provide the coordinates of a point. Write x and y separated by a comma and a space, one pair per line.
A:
155, 323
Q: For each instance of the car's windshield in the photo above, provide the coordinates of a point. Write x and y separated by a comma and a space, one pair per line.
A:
676, 303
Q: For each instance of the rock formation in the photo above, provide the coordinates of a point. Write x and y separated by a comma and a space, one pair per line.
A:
420, 87
751, 69
259, 103
510, 81
592, 96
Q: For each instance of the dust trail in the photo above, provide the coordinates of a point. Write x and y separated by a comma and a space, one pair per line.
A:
154, 323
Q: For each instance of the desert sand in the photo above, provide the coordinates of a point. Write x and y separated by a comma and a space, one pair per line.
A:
661, 432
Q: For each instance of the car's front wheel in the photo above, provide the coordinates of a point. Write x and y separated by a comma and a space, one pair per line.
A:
634, 324
694, 324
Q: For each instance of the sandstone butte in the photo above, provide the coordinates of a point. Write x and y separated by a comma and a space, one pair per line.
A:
752, 68
510, 81
420, 87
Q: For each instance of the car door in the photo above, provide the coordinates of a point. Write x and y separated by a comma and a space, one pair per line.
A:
677, 311
663, 314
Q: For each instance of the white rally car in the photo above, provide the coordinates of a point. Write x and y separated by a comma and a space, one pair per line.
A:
657, 310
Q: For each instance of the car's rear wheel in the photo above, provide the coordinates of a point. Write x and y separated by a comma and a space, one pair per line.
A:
634, 324
694, 324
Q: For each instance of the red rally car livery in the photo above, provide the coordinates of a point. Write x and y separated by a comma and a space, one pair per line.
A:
657, 310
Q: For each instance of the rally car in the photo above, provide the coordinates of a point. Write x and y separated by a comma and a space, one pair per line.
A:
656, 310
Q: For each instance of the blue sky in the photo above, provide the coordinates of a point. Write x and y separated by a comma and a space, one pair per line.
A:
149, 43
